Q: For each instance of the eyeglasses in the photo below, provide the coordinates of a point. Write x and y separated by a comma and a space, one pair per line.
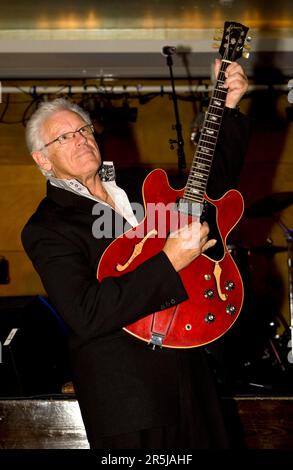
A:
63, 139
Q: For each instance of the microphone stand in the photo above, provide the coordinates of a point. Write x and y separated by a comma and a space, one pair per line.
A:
168, 51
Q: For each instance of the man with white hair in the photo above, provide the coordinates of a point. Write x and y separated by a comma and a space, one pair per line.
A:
130, 396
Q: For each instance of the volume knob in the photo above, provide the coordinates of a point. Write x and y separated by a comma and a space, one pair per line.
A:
230, 309
210, 317
209, 293
229, 285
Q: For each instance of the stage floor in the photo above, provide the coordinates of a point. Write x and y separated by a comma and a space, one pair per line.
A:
254, 422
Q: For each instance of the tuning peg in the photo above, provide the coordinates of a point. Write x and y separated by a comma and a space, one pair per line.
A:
215, 45
248, 39
217, 38
219, 31
247, 46
245, 55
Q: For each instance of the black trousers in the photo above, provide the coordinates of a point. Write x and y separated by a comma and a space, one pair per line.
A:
155, 438
200, 423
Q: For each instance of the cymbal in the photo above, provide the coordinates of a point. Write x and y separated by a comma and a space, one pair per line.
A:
270, 204
267, 250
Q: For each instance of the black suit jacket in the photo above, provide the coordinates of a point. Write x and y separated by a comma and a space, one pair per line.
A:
121, 384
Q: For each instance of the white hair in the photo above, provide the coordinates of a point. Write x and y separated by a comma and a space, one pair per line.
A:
46, 109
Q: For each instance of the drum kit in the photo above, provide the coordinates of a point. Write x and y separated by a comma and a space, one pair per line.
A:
278, 348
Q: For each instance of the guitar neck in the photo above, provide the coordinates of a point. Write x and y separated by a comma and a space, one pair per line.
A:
202, 161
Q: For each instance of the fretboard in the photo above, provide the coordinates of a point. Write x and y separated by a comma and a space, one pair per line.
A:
202, 161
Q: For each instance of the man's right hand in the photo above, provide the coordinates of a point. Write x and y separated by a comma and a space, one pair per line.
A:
187, 243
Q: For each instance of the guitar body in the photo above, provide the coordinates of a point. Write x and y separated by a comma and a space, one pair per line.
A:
212, 281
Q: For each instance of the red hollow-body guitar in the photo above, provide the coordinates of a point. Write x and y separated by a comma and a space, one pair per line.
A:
212, 281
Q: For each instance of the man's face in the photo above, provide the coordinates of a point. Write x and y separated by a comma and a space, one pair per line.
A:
78, 158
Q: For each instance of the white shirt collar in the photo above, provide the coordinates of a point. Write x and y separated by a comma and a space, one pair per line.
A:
107, 175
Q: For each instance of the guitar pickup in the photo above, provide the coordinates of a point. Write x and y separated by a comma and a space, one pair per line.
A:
189, 207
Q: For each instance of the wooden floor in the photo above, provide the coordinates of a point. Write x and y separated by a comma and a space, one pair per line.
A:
260, 422
253, 423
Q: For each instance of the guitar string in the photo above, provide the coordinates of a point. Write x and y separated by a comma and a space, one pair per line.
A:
199, 162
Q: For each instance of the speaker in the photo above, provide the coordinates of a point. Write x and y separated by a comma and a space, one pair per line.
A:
34, 359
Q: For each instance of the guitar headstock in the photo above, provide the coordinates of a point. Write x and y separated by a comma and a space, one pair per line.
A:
234, 41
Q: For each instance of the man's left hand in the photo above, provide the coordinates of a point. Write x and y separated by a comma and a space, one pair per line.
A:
236, 82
